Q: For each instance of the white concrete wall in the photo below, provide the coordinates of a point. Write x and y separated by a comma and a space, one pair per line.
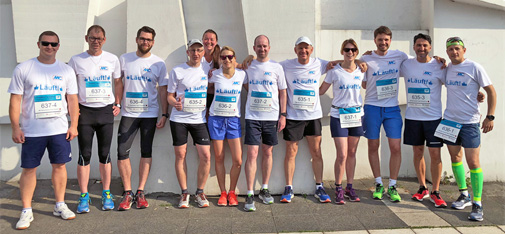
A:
326, 22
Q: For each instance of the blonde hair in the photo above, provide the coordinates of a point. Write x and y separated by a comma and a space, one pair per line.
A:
227, 48
349, 41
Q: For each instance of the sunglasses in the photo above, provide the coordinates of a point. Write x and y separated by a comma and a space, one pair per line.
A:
350, 49
454, 41
46, 43
230, 57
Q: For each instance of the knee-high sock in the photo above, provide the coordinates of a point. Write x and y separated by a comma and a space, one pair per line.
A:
477, 182
459, 174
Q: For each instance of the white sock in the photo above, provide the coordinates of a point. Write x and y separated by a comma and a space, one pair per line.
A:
27, 210
319, 186
392, 182
378, 180
264, 186
291, 186
58, 204
478, 203
465, 192
250, 192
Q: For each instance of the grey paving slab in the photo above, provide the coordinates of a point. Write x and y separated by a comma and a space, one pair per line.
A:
446, 230
348, 232
481, 229
339, 223
296, 223
298, 206
422, 219
209, 226
392, 231
253, 225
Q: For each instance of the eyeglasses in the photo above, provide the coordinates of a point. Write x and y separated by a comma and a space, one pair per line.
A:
145, 39
350, 49
195, 50
230, 57
98, 39
454, 41
46, 43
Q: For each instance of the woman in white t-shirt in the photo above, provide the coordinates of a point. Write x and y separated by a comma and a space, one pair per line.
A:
346, 117
224, 121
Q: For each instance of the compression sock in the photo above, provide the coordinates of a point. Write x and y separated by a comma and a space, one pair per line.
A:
459, 174
477, 182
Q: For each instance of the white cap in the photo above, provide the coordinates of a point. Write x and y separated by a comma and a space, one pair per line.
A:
303, 40
194, 41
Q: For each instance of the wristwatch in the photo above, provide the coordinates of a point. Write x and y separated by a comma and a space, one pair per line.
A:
118, 105
490, 117
284, 114
166, 115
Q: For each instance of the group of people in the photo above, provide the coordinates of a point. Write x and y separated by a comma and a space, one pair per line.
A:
205, 96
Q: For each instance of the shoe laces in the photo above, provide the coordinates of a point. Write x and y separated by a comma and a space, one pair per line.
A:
476, 208
287, 190
393, 189
421, 190
461, 198
352, 192
378, 187
266, 192
184, 197
321, 191
436, 194
249, 199
202, 196
105, 195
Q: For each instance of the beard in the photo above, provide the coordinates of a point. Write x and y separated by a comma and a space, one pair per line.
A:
142, 50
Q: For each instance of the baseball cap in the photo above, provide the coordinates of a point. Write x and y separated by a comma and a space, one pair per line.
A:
194, 41
303, 40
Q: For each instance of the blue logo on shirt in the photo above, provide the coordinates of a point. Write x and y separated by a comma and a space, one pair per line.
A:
456, 83
104, 68
147, 69
261, 82
350, 86
236, 83
461, 74
391, 62
204, 78
357, 77
141, 78
419, 81
312, 72
192, 89
390, 71
427, 73
47, 87
97, 78
267, 74
58, 78
304, 81
228, 91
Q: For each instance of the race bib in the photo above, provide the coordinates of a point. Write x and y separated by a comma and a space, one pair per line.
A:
418, 97
47, 105
98, 91
448, 130
304, 99
261, 101
386, 88
137, 101
225, 106
350, 117
194, 101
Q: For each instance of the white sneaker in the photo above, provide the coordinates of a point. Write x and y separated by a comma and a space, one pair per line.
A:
25, 220
202, 201
184, 202
64, 212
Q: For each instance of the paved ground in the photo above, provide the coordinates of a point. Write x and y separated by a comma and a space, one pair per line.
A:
304, 214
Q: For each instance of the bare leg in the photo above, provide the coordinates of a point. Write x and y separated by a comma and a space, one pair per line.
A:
436, 167
144, 168
125, 170
340, 161
236, 155
317, 157
106, 174
350, 167
396, 157
267, 162
219, 163
204, 165
419, 164
250, 165
27, 184
289, 161
83, 177
373, 156
59, 179
181, 169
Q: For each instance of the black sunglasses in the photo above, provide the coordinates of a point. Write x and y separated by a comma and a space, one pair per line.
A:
46, 43
230, 57
350, 49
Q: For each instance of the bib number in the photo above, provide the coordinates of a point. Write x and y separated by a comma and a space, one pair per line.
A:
304, 99
194, 102
350, 117
386, 88
137, 101
448, 130
261, 101
47, 106
225, 106
418, 97
98, 91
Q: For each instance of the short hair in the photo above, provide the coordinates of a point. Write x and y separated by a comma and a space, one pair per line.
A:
349, 41
227, 48
382, 30
422, 36
49, 33
146, 29
210, 31
261, 36
96, 27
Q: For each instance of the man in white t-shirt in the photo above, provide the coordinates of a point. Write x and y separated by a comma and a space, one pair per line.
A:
187, 93
143, 76
95, 70
460, 126
265, 116
44, 90
381, 108
423, 82
303, 114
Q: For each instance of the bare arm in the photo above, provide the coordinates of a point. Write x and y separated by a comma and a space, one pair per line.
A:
363, 84
14, 111
323, 88
162, 90
73, 111
282, 103
118, 88
174, 102
487, 125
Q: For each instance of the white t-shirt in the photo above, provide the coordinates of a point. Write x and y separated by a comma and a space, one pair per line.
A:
189, 83
303, 88
141, 76
423, 84
94, 77
226, 93
206, 65
384, 71
264, 79
43, 87
346, 89
463, 82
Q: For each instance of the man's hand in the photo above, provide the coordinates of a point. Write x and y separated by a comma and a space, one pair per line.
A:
247, 62
362, 65
178, 104
487, 125
481, 97
115, 110
210, 72
368, 52
440, 60
331, 65
71, 133
18, 136
281, 124
161, 123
